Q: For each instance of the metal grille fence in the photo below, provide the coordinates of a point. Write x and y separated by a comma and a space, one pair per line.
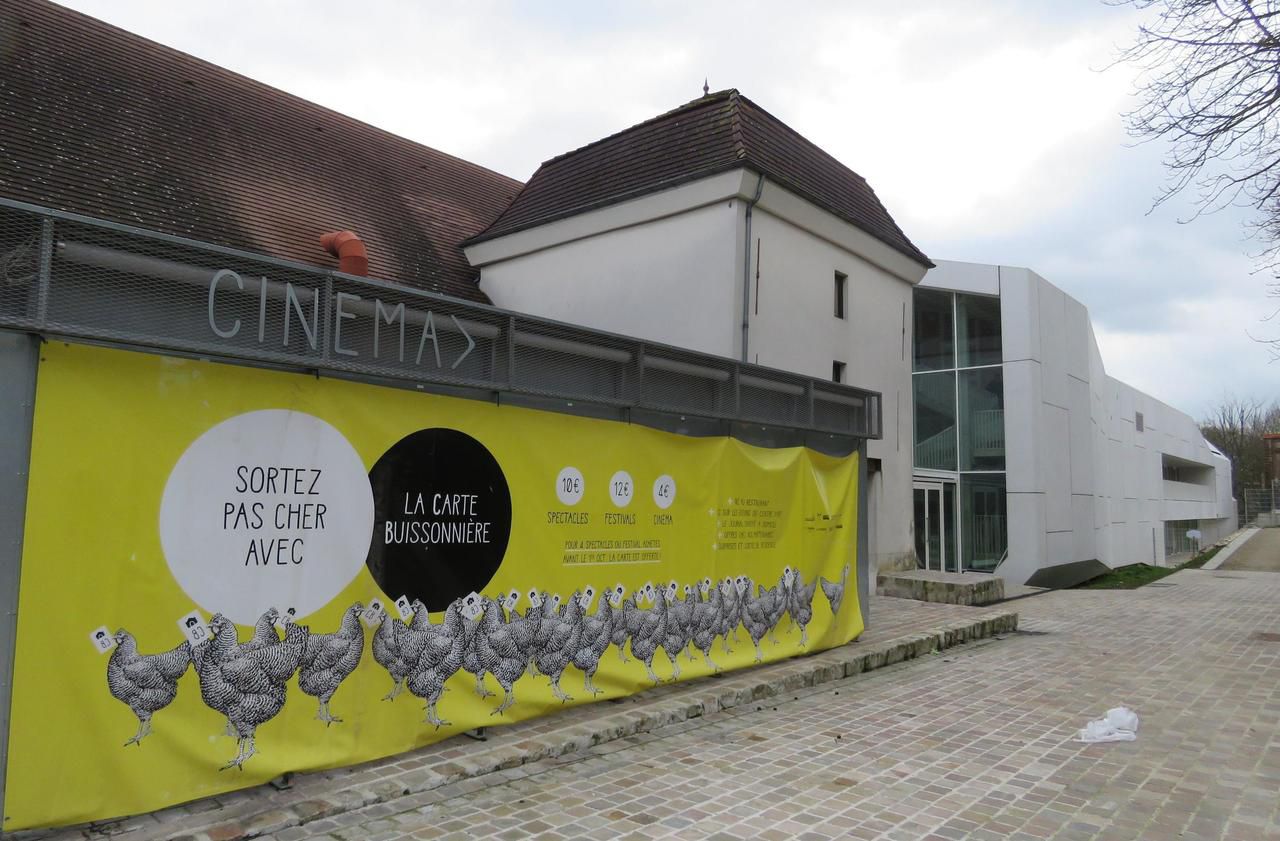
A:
1260, 507
70, 276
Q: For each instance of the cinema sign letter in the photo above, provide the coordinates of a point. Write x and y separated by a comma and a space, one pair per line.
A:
347, 307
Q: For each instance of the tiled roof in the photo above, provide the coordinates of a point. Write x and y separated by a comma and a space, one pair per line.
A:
712, 134
97, 121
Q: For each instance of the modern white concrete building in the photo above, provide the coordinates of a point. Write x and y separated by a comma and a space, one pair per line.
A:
718, 228
1005, 448
1029, 459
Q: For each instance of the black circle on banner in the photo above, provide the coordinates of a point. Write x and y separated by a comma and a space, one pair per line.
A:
441, 517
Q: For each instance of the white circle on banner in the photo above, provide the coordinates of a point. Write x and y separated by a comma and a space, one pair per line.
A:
569, 486
267, 509
664, 491
621, 489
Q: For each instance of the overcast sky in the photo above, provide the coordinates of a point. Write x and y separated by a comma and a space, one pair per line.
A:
987, 128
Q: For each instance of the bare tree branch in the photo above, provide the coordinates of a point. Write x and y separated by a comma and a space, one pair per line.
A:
1209, 86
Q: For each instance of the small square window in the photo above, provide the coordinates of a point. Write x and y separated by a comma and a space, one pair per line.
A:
837, 372
842, 283
1137, 421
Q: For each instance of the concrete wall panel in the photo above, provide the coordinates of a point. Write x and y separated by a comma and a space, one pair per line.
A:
1023, 458
1054, 432
1083, 538
1019, 315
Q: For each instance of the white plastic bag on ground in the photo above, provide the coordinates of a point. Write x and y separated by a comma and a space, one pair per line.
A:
1123, 718
1119, 725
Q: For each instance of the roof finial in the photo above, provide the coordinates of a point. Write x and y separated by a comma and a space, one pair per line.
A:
706, 88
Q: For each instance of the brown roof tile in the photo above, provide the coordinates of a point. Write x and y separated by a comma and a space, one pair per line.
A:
97, 121
712, 134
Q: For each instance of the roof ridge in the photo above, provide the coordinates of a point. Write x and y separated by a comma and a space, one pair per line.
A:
727, 93
710, 134
806, 141
735, 122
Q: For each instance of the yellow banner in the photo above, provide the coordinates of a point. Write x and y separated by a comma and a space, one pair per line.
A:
227, 570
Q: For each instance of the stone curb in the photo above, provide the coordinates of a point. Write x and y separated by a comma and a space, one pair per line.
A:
1235, 542
973, 591
702, 697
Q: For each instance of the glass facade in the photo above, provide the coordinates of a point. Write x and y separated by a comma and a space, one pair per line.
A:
1176, 542
977, 330
958, 391
934, 331
935, 416
983, 520
982, 419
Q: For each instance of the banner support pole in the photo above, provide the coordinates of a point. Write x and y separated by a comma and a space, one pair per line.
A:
19, 357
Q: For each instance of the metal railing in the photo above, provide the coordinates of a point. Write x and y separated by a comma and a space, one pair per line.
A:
938, 450
64, 275
1260, 507
986, 432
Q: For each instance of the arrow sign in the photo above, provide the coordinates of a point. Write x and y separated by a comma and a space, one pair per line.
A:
471, 343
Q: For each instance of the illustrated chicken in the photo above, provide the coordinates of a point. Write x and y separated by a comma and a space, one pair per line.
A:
441, 652
475, 660
732, 610
597, 634
678, 631
264, 632
757, 615
631, 620
647, 628
690, 597
496, 646
707, 609
526, 628
146, 683
396, 650
780, 603
248, 687
540, 619
835, 590
548, 608
329, 658
730, 613
621, 633
557, 642
800, 603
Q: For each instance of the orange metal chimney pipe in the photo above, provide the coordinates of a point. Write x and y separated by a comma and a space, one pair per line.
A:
349, 249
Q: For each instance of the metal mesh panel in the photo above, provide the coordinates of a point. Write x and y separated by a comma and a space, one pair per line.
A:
774, 399
557, 360
687, 383
109, 284
838, 411
71, 276
20, 253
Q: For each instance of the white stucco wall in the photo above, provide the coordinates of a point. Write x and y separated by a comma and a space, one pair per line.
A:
795, 329
1082, 482
669, 267
669, 280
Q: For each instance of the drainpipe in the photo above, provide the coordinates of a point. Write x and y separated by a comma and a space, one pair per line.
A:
349, 249
746, 269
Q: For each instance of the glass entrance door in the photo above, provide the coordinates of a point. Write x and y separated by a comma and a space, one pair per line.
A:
935, 526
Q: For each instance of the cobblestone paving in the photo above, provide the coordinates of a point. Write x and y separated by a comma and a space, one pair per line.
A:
1260, 553
976, 742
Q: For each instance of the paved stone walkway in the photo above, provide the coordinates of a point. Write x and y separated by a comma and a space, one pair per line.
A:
976, 742
1260, 553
